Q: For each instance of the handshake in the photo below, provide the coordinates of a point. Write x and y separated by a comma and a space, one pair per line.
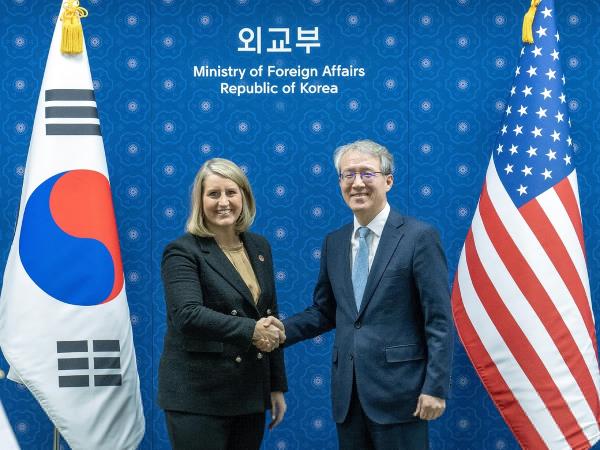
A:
269, 334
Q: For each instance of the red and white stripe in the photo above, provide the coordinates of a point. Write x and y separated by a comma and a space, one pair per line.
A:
521, 302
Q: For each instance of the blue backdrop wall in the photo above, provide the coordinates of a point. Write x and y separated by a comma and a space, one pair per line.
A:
437, 75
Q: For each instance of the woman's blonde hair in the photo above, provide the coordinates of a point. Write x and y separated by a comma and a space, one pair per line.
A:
226, 169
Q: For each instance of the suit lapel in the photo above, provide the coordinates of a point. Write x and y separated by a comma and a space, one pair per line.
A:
343, 262
390, 237
220, 263
258, 261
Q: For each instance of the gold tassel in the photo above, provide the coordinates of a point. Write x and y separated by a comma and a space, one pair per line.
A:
72, 33
528, 22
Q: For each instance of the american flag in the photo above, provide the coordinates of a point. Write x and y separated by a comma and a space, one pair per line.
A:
521, 297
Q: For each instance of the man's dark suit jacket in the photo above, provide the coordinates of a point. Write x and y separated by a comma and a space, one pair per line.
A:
399, 344
209, 365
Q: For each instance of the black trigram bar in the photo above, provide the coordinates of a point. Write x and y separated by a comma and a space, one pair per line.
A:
70, 95
112, 362
71, 346
73, 381
71, 112
100, 363
73, 363
106, 345
107, 380
72, 129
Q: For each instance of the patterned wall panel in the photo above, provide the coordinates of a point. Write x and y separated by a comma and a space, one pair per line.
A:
436, 84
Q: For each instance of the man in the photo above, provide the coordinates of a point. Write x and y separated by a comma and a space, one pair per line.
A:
383, 284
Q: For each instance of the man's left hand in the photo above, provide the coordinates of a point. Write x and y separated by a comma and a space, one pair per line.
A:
429, 407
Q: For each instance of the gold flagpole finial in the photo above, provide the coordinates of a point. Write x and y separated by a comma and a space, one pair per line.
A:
72, 33
528, 22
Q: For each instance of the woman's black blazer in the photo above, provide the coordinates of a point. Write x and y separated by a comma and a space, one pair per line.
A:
208, 364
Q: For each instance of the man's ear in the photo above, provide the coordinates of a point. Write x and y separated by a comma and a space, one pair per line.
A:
389, 182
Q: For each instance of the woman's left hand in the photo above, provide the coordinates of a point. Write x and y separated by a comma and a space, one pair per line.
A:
278, 409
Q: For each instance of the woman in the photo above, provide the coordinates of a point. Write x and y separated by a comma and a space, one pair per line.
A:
216, 378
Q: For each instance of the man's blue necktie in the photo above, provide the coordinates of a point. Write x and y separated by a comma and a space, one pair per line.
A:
360, 268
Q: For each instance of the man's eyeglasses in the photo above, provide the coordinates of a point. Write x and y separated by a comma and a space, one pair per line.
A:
366, 176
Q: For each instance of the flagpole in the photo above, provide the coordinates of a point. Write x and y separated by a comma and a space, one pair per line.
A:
56, 444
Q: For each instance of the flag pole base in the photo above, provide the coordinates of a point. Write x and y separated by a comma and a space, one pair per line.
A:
56, 444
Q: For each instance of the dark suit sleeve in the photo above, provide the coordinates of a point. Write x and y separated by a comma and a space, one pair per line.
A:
320, 316
431, 279
185, 302
277, 368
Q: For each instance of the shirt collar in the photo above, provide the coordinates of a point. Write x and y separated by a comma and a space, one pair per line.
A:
376, 225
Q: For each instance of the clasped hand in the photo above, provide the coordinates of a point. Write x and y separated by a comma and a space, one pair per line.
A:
269, 334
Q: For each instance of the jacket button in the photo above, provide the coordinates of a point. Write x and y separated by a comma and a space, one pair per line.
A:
259, 356
238, 359
268, 311
357, 324
351, 356
234, 312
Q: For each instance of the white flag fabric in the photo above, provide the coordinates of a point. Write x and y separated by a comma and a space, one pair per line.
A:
7, 437
64, 320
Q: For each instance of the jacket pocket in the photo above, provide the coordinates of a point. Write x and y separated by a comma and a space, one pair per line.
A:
401, 353
197, 345
396, 272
